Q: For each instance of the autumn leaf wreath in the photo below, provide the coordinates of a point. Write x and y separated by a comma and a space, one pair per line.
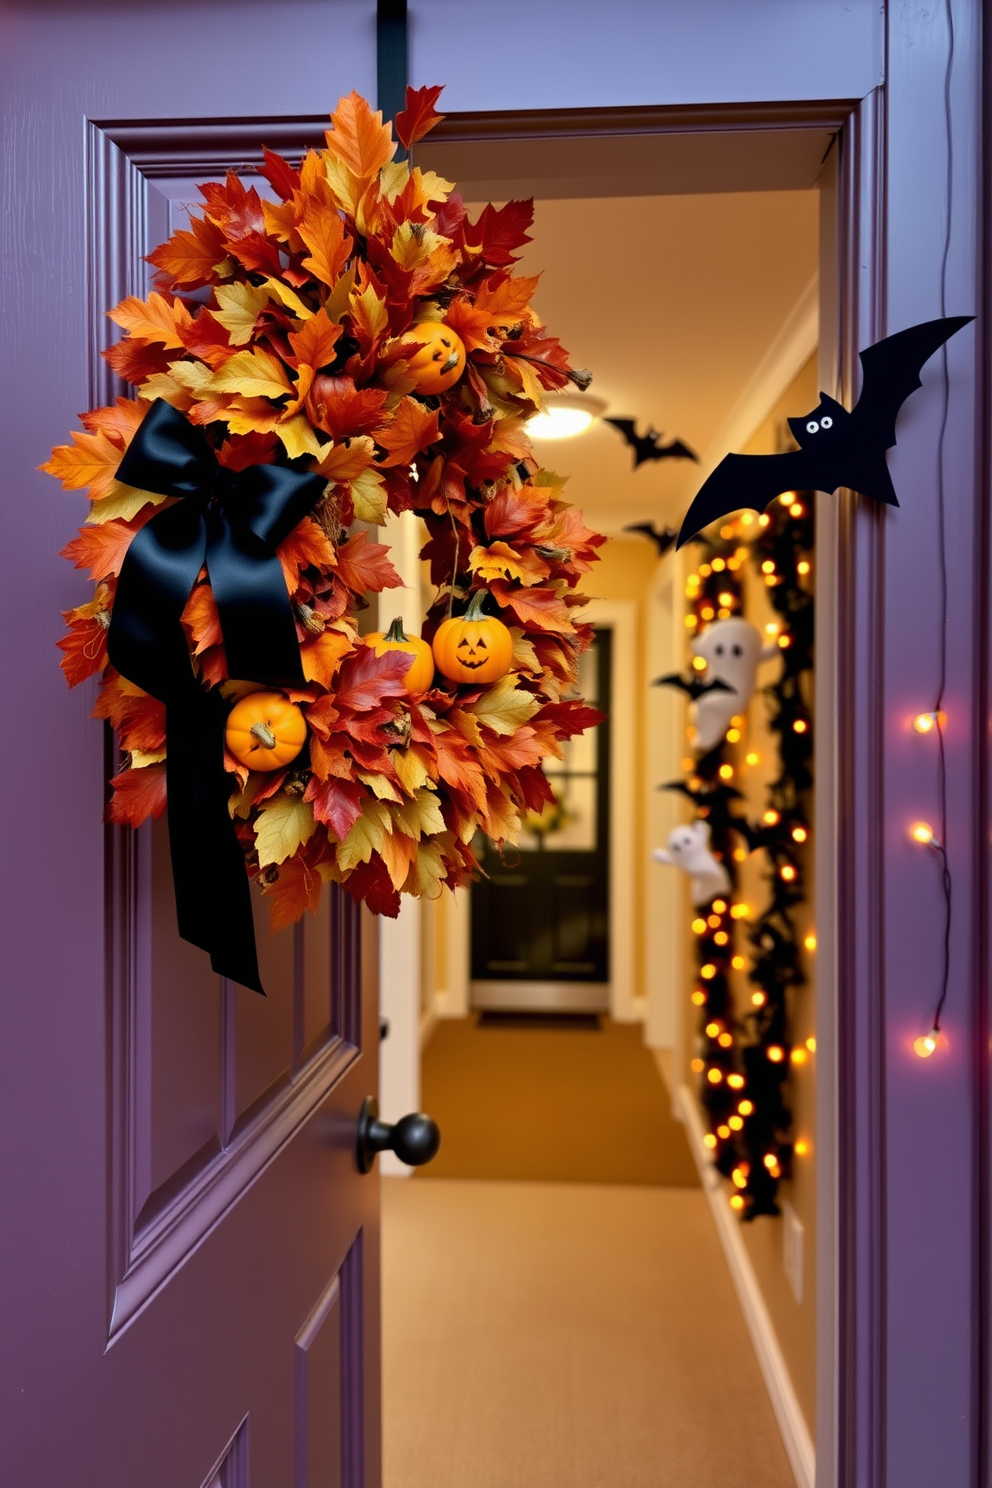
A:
355, 347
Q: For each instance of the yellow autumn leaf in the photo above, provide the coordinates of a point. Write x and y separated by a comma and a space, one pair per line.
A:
369, 314
121, 501
283, 825
420, 817
241, 305
427, 873
366, 836
379, 785
256, 374
368, 496
343, 463
339, 299
287, 297
531, 385
498, 561
298, 437
139, 758
504, 708
193, 376
164, 385
525, 658
411, 768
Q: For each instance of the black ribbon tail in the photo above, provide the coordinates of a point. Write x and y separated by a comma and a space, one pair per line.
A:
213, 895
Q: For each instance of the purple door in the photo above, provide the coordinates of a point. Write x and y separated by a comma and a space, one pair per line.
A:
190, 1256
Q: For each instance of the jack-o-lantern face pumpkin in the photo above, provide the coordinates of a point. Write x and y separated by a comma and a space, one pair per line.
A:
439, 358
473, 647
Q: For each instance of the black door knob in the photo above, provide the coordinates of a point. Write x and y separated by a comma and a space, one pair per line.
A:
415, 1139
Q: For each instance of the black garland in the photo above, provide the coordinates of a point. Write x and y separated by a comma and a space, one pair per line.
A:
743, 1063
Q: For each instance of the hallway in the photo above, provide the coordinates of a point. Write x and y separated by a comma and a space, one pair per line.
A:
543, 1335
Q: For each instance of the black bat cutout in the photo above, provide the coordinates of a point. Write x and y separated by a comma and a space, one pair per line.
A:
647, 446
837, 448
694, 688
662, 540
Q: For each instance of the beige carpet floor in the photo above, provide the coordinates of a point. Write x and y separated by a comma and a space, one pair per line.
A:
565, 1336
555, 1099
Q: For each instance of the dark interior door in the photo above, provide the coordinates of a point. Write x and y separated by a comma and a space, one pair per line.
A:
190, 1279
540, 916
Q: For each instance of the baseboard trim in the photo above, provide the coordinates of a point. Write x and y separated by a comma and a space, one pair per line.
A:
791, 1423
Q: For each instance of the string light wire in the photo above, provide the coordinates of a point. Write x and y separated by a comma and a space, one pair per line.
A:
941, 846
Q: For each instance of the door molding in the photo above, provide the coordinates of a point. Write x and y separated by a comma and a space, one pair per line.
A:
627, 1004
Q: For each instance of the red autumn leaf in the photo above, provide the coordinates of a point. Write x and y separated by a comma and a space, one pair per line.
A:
365, 679
513, 510
258, 254
413, 428
419, 116
236, 211
337, 803
207, 339
191, 258
498, 231
279, 174
449, 218
242, 450
535, 788
369, 883
135, 362
330, 757
570, 717
459, 768
101, 548
504, 755
138, 794
335, 405
365, 565
296, 890
85, 649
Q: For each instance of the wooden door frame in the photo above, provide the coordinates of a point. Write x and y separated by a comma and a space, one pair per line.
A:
878, 273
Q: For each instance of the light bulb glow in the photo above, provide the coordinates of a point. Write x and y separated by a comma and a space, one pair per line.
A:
721, 938
718, 565
725, 1040
697, 1066
707, 972
699, 998
712, 1029
798, 1056
738, 963
740, 911
768, 566
740, 1179
719, 906
735, 1123
810, 942
736, 1082
759, 999
770, 818
714, 1076
752, 758
802, 567
801, 1148
775, 1053
736, 1202
811, 1044
796, 509
800, 726
733, 735
788, 872
926, 1044
746, 1107
923, 833
709, 1140
770, 1160
723, 1132
699, 926
925, 723
726, 772
698, 664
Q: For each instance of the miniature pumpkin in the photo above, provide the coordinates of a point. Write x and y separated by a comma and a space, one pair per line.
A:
473, 647
265, 731
439, 360
421, 672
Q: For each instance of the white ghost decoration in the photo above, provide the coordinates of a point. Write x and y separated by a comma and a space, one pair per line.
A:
689, 849
731, 650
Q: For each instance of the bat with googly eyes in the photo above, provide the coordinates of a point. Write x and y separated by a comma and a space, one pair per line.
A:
836, 448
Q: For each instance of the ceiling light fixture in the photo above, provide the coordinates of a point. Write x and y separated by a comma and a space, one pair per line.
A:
571, 414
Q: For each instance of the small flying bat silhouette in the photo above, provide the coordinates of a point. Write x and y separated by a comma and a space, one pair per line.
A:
837, 448
647, 447
662, 540
694, 687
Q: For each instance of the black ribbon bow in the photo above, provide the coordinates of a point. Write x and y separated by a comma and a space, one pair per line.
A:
231, 522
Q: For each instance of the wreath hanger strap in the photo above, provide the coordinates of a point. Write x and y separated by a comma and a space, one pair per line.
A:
231, 522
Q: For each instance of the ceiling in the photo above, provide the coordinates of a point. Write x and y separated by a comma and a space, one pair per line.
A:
675, 274
692, 312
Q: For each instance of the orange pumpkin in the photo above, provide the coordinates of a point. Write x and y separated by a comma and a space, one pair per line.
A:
265, 731
473, 647
439, 360
421, 671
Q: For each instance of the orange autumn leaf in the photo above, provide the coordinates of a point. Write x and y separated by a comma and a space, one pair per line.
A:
500, 561
192, 258
459, 767
359, 139
345, 462
314, 343
321, 655
200, 614
498, 305
296, 890
156, 320
85, 646
323, 233
91, 460
413, 428
119, 423
101, 548
307, 545
536, 609
514, 511
138, 794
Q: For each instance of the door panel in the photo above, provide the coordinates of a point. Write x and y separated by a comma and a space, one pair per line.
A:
178, 1153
